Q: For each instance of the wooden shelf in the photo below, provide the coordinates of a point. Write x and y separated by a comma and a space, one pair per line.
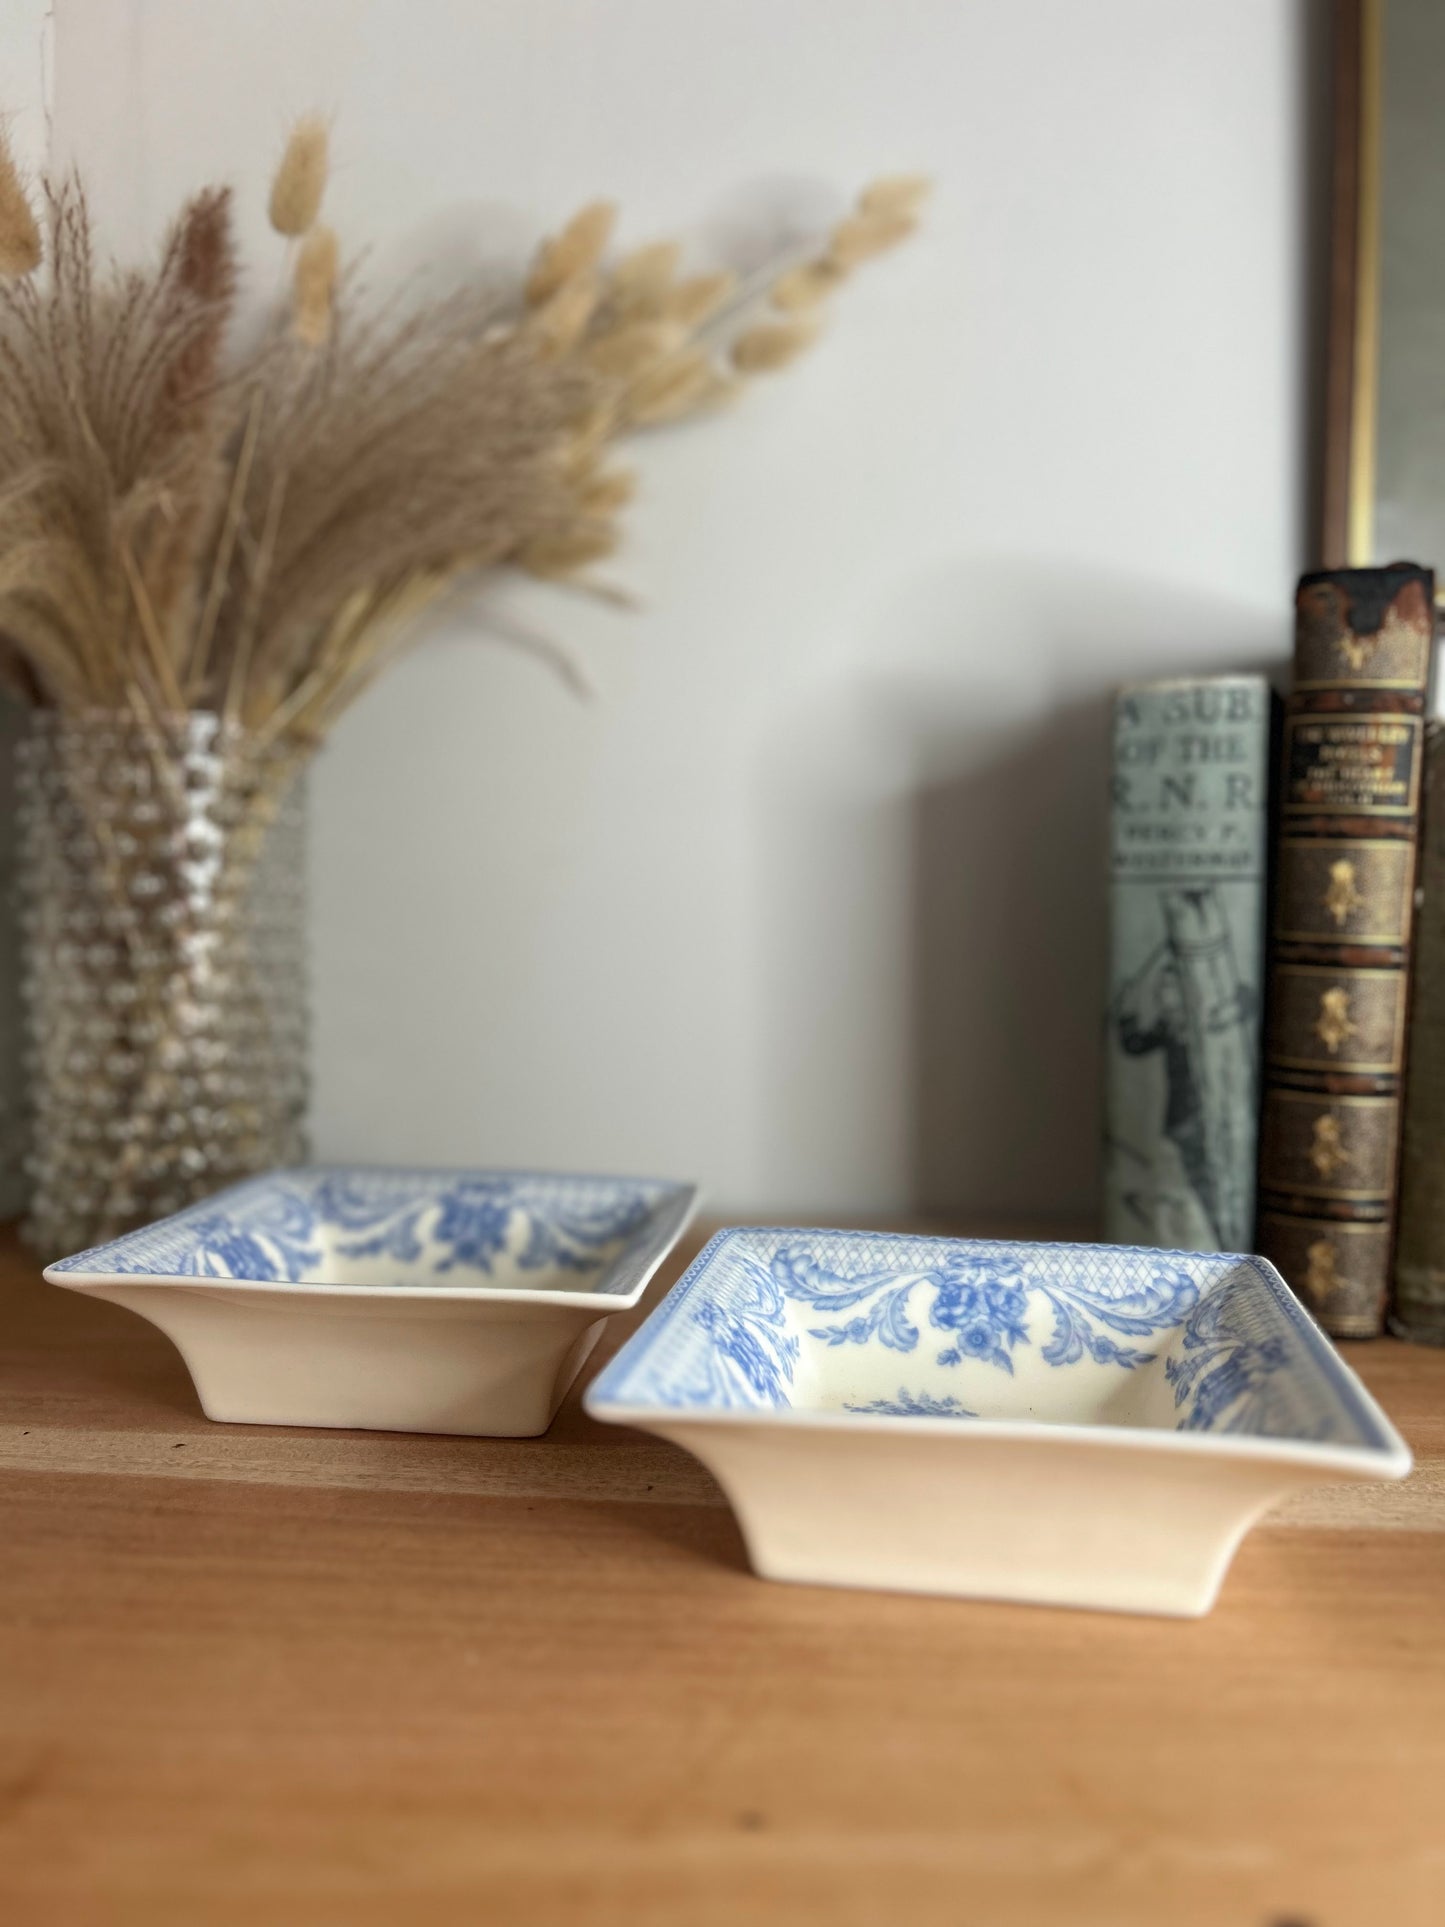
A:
273, 1675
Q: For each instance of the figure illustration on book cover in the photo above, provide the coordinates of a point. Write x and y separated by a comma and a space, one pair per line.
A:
1187, 1008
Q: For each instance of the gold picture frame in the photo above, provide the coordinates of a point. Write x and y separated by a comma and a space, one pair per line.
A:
1384, 428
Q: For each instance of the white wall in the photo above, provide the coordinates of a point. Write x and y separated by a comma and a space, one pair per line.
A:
26, 59
808, 902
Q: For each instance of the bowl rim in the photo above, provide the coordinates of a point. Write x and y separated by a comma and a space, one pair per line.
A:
675, 1210
1386, 1457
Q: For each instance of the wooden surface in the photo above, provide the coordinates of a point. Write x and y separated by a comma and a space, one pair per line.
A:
288, 1677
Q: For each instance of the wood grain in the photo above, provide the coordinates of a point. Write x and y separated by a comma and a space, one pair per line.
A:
265, 1675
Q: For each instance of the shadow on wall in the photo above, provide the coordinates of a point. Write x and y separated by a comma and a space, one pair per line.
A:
1009, 933
936, 888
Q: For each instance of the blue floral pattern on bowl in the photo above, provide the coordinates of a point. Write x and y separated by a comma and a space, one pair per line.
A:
1070, 1425
914, 1405
1188, 1341
390, 1229
978, 1297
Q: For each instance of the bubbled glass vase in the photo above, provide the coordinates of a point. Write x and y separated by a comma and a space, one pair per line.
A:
160, 874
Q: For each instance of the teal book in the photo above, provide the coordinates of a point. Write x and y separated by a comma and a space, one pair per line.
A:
1189, 848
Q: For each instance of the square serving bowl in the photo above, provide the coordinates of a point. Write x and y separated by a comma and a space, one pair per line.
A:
1074, 1425
404, 1301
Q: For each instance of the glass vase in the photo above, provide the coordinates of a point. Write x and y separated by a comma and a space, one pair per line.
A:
160, 876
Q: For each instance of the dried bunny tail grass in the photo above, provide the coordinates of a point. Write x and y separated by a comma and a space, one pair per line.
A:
561, 321
262, 538
681, 385
895, 195
606, 491
691, 302
771, 344
315, 287
20, 246
555, 556
807, 286
595, 424
626, 351
642, 280
576, 250
861, 236
300, 180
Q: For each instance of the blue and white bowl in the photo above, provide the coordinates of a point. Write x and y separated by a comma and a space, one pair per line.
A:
408, 1301
1076, 1425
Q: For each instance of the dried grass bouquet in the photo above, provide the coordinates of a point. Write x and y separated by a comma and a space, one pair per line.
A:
185, 528
213, 539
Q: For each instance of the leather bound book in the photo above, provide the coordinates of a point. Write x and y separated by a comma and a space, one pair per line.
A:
1419, 1296
1349, 809
1187, 897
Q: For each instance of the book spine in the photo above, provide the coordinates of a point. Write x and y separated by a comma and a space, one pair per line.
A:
1189, 844
1419, 1293
1349, 807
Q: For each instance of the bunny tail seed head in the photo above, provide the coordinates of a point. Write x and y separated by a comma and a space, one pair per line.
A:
20, 247
300, 180
577, 249
315, 286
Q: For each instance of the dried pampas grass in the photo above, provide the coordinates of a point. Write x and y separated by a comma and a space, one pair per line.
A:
183, 526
